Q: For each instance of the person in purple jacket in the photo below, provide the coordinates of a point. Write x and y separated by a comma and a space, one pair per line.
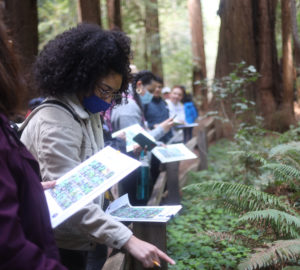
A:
26, 238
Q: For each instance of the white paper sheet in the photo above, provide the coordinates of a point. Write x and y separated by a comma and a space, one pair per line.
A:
122, 210
86, 182
130, 132
173, 152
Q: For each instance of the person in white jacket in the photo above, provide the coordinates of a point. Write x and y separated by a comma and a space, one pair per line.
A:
176, 110
82, 71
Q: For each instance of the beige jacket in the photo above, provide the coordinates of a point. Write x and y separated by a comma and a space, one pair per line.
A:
59, 143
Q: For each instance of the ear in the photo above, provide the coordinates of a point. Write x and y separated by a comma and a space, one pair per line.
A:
139, 84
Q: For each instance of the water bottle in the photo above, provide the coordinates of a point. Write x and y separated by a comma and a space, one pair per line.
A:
143, 179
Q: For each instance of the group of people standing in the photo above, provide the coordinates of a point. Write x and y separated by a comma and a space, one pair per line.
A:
80, 74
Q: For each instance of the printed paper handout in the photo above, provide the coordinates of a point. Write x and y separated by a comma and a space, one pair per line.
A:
122, 210
173, 152
86, 182
130, 132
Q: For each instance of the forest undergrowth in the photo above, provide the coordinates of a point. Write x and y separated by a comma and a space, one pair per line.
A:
242, 213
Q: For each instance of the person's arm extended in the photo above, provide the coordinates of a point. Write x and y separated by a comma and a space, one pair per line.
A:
146, 253
16, 251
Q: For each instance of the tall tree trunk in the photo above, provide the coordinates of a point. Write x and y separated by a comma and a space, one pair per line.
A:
266, 55
248, 33
153, 37
296, 40
22, 21
287, 62
89, 11
236, 44
199, 66
114, 14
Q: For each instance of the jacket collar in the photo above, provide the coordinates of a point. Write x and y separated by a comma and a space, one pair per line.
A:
74, 103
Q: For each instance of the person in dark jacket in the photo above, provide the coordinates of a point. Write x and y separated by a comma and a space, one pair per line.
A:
26, 241
156, 111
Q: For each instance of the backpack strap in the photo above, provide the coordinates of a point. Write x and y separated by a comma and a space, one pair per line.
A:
59, 103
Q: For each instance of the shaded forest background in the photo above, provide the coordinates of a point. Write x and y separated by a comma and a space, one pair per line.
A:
169, 37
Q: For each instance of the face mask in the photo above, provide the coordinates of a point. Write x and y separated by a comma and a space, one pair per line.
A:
94, 104
146, 98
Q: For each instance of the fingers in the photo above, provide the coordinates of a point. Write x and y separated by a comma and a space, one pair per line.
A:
165, 257
48, 184
151, 258
146, 253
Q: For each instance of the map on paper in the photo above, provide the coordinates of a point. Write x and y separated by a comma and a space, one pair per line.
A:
86, 182
122, 210
173, 152
131, 132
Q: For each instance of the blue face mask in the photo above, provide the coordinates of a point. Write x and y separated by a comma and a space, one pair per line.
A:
94, 104
146, 98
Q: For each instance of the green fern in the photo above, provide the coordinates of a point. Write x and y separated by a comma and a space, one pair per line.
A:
282, 149
256, 156
282, 222
283, 171
279, 252
247, 198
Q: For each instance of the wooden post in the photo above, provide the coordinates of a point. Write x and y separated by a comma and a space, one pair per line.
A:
172, 183
202, 146
158, 190
154, 233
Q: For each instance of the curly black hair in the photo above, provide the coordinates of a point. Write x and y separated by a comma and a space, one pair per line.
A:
75, 60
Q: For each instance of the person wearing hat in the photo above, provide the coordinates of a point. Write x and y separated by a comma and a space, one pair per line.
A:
166, 92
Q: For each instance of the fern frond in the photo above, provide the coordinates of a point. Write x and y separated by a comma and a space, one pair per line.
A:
280, 252
250, 154
281, 149
231, 237
246, 197
292, 160
283, 222
283, 171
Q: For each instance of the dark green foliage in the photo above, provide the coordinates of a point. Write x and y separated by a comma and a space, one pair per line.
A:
193, 243
262, 163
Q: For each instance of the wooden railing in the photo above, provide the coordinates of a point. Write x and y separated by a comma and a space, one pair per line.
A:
175, 178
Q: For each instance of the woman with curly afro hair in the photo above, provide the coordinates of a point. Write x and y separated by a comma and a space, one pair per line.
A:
81, 73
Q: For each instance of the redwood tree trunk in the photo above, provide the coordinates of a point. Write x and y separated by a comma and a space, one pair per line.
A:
153, 37
22, 21
114, 14
296, 38
199, 66
267, 64
248, 33
287, 62
89, 11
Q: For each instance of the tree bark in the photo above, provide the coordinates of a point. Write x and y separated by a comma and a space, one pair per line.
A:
287, 62
89, 11
114, 14
296, 38
153, 37
199, 65
22, 21
266, 55
248, 33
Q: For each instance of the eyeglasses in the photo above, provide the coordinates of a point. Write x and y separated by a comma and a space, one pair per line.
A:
107, 91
